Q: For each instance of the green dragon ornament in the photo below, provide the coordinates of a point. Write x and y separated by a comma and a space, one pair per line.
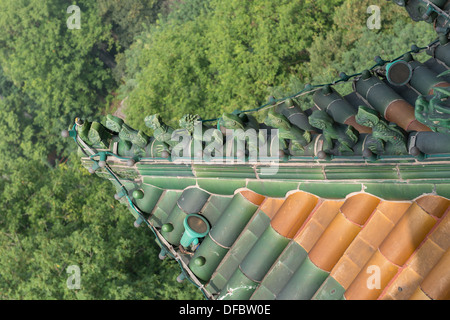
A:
336, 135
189, 122
162, 133
131, 137
193, 126
99, 136
382, 133
83, 127
286, 131
434, 110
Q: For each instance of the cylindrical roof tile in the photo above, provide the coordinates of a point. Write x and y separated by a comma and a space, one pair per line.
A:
293, 213
406, 236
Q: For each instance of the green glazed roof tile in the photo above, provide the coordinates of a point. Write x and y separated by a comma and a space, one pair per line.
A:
262, 293
233, 220
297, 173
216, 284
164, 207
242, 246
227, 267
239, 287
398, 191
360, 173
168, 200
283, 269
214, 208
233, 171
211, 213
158, 216
443, 189
304, 283
177, 183
151, 197
221, 186
192, 200
263, 254
212, 253
329, 290
259, 223
272, 188
175, 218
220, 202
330, 190
165, 170
430, 171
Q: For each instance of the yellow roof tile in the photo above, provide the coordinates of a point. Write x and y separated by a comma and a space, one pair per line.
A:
393, 210
345, 271
425, 257
360, 251
270, 206
376, 229
403, 286
318, 222
372, 279
333, 242
253, 197
419, 295
293, 213
359, 207
434, 205
407, 235
437, 283
441, 235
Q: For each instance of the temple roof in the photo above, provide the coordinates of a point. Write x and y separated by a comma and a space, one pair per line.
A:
347, 199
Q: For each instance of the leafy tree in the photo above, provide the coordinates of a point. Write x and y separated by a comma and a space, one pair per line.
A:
57, 67
60, 218
128, 18
20, 137
223, 59
350, 46
330, 53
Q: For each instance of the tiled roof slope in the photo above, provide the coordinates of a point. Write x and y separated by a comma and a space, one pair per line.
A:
358, 220
305, 247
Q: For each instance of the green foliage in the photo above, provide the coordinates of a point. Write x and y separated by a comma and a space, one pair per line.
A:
223, 59
54, 65
128, 18
181, 11
20, 137
53, 218
350, 46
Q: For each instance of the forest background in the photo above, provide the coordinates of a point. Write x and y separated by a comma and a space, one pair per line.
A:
140, 57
